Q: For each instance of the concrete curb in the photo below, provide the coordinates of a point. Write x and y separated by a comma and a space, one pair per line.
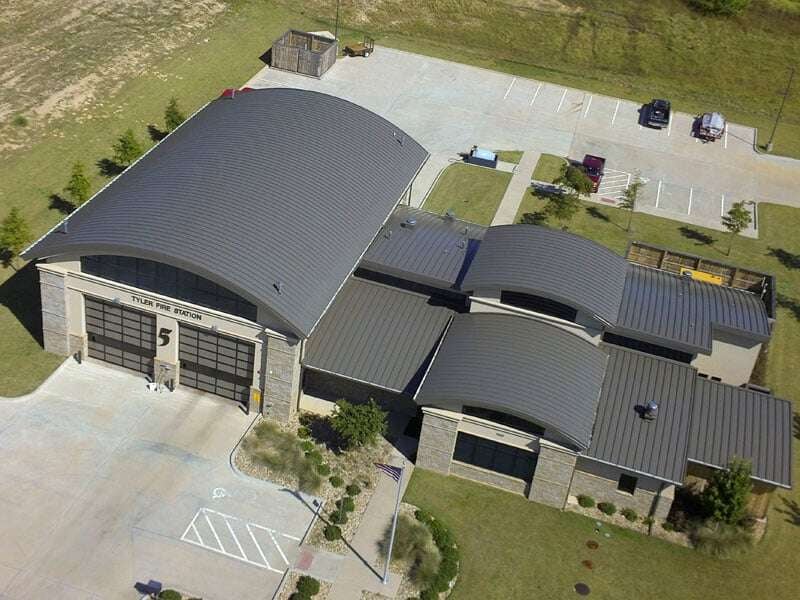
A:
29, 395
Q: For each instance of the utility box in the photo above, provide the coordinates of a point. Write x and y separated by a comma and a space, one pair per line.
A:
482, 157
304, 53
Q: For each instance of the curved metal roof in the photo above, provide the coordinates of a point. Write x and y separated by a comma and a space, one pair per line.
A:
520, 366
274, 193
550, 263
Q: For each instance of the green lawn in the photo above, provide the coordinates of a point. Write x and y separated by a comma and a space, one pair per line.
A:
548, 168
472, 193
509, 156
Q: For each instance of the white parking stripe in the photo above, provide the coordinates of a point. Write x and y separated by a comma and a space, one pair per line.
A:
669, 126
257, 545
235, 539
214, 531
616, 109
291, 537
274, 541
725, 145
510, 85
691, 193
564, 95
536, 93
658, 193
588, 105
722, 206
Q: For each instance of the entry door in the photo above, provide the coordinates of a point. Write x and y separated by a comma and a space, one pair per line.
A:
120, 335
216, 363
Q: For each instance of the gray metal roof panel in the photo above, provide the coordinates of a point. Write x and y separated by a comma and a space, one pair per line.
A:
621, 437
273, 186
730, 422
377, 334
668, 307
436, 250
550, 263
520, 366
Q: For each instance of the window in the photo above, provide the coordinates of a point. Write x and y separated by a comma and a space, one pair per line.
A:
168, 281
503, 419
627, 484
486, 454
539, 304
654, 349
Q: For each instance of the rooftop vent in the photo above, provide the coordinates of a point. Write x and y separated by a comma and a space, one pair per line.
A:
410, 223
278, 285
450, 215
650, 411
462, 244
387, 234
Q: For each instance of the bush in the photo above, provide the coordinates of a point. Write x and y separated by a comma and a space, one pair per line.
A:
346, 504
336, 481
607, 508
629, 514
358, 424
585, 501
667, 526
332, 532
314, 456
303, 432
323, 469
725, 497
443, 538
339, 517
649, 521
352, 490
169, 595
414, 544
720, 7
279, 451
307, 446
308, 585
299, 596
20, 121
722, 540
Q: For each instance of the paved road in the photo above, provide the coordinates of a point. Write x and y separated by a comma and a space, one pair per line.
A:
448, 107
106, 484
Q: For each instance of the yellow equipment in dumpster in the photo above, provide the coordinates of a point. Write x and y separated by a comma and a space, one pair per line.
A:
702, 276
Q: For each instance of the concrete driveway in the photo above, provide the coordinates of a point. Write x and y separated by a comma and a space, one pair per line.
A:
448, 107
106, 484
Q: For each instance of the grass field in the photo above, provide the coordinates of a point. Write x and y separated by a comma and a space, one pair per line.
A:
548, 168
472, 193
509, 156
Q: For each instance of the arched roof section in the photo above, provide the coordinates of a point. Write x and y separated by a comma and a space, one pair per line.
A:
554, 264
274, 193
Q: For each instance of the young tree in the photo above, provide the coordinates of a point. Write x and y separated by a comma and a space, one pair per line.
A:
725, 496
575, 179
562, 207
127, 148
78, 189
358, 424
629, 198
736, 221
14, 235
173, 116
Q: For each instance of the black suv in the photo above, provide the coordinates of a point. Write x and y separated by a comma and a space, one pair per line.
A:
658, 113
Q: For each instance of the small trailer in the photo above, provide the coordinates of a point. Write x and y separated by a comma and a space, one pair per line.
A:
482, 157
710, 126
364, 48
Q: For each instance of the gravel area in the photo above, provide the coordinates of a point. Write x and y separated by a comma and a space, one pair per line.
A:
617, 519
290, 583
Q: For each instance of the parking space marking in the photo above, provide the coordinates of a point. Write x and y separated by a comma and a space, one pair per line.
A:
510, 85
725, 143
588, 105
691, 193
722, 206
669, 126
616, 110
197, 540
564, 95
536, 93
658, 193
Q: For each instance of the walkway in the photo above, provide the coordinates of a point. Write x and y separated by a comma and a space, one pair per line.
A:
520, 182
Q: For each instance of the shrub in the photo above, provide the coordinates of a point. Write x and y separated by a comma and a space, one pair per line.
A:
358, 424
629, 514
308, 585
314, 456
323, 469
346, 504
352, 490
720, 7
336, 481
414, 544
127, 148
649, 521
78, 188
169, 595
173, 116
585, 501
722, 540
339, 517
667, 526
725, 497
332, 532
299, 596
607, 508
20, 121
303, 432
307, 446
279, 451
443, 538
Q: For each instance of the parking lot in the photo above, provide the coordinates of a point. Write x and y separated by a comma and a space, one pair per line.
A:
448, 107
113, 485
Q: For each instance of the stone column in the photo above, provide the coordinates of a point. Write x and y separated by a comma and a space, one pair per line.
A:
437, 440
55, 331
553, 475
166, 360
282, 379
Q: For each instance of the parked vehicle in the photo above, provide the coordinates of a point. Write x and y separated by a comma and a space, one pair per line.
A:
658, 113
710, 126
594, 166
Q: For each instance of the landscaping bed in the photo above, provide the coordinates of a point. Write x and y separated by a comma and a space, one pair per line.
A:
289, 589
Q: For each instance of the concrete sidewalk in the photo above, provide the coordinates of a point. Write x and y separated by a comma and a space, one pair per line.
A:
520, 181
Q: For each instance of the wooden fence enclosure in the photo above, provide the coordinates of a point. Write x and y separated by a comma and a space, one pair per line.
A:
304, 53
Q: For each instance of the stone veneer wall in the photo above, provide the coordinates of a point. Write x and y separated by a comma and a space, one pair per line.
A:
600, 482
551, 480
490, 477
437, 440
282, 379
55, 332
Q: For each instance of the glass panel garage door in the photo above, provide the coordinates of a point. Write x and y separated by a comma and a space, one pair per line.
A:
216, 363
120, 335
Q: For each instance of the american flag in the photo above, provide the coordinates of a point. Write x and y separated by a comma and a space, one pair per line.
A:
394, 472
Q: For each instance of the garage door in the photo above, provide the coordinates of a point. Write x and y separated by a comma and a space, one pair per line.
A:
120, 335
216, 363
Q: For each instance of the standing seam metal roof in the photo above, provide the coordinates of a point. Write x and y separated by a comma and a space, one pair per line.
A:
521, 366
730, 422
437, 250
550, 263
273, 187
621, 437
663, 307
377, 334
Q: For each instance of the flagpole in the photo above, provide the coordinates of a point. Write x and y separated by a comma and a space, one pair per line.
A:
394, 524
